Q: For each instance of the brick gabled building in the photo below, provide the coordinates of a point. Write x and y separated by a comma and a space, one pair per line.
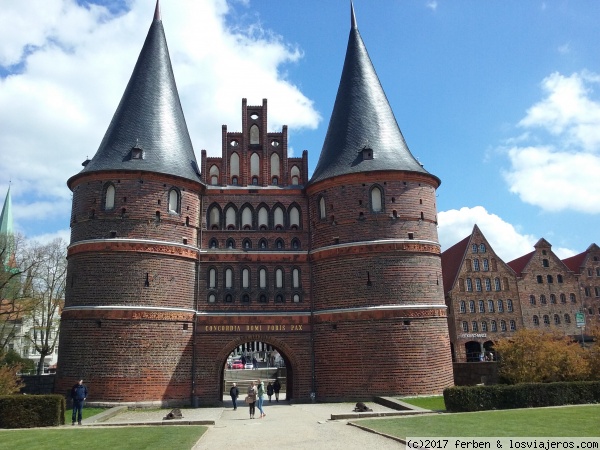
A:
482, 297
548, 290
586, 267
172, 265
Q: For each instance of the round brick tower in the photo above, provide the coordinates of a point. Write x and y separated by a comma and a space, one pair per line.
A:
378, 303
128, 320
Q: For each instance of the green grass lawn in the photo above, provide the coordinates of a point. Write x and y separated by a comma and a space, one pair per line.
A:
580, 420
435, 403
172, 437
87, 412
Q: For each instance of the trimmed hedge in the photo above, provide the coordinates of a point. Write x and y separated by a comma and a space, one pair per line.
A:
523, 395
28, 411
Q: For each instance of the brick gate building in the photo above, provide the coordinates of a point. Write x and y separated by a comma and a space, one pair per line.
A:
174, 264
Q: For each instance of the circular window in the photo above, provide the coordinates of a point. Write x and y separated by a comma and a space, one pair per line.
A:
275, 143
254, 116
234, 143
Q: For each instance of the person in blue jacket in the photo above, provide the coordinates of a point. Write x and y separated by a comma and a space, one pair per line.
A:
79, 393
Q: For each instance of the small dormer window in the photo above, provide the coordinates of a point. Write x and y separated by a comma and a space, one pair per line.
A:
137, 153
367, 153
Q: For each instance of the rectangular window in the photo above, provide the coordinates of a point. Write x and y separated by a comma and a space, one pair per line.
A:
540, 279
465, 327
597, 292
587, 292
590, 272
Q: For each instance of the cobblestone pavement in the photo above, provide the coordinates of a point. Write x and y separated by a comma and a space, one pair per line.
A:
301, 426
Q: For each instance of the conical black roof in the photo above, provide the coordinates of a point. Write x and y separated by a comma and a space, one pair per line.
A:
362, 118
149, 118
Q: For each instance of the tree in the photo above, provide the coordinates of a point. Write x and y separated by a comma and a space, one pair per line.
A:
13, 305
538, 356
44, 286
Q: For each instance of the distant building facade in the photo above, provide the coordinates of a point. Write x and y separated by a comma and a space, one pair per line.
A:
489, 299
174, 265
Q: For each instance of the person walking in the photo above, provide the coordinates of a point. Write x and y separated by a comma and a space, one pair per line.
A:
251, 399
234, 392
269, 391
260, 392
79, 393
276, 389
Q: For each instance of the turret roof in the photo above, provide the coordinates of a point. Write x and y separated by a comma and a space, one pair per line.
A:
362, 119
149, 118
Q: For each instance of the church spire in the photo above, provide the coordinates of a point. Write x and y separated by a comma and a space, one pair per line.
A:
363, 135
148, 131
6, 220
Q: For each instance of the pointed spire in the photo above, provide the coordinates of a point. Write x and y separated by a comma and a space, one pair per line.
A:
148, 131
363, 135
352, 17
157, 12
6, 220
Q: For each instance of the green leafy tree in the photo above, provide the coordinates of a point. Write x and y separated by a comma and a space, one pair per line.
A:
539, 356
10, 382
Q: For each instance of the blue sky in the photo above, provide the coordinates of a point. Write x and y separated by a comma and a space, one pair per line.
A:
499, 99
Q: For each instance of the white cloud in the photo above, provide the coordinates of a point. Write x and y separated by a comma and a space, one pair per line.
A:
557, 169
432, 4
507, 242
68, 66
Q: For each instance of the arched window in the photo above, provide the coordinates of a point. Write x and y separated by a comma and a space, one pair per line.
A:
234, 166
500, 306
275, 165
263, 218
230, 218
543, 299
254, 135
294, 217
469, 285
484, 326
214, 218
295, 244
376, 199
245, 298
296, 278
230, 244
229, 298
532, 299
491, 306
295, 174
255, 166
556, 319
262, 278
279, 245
109, 197
536, 321
279, 278
278, 218
463, 307
262, 244
567, 318
212, 278
481, 306
471, 306
482, 248
262, 298
213, 243
214, 175
322, 211
509, 305
279, 298
563, 298
546, 320
245, 278
212, 298
247, 218
513, 325
493, 325
247, 244
553, 299
572, 297
296, 298
228, 278
502, 325
474, 248
174, 201
497, 284
486, 265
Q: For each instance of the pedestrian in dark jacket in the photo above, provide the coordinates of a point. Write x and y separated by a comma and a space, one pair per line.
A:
270, 391
234, 392
79, 393
276, 389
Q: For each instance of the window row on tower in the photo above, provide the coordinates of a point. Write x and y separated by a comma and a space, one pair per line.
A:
247, 297
249, 218
479, 285
261, 281
233, 179
109, 194
263, 244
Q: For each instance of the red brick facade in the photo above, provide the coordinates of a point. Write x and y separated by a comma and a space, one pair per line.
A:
158, 298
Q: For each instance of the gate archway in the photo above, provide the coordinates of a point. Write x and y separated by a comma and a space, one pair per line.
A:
285, 368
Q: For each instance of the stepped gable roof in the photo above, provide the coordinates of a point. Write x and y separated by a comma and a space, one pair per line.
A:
519, 264
362, 119
576, 262
452, 260
149, 118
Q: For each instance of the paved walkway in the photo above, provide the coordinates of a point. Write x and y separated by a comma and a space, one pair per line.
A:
301, 426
